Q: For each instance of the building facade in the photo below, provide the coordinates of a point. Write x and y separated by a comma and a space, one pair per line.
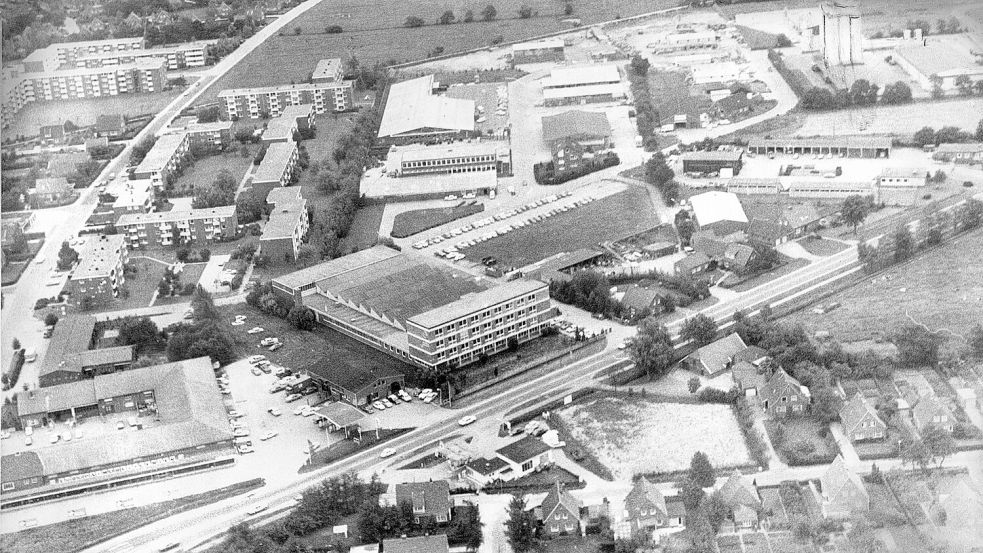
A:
285, 230
277, 167
783, 396
327, 97
458, 157
538, 52
215, 136
178, 227
98, 276
64, 53
182, 56
167, 156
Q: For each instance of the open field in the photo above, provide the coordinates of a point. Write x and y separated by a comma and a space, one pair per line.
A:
409, 223
606, 218
204, 171
942, 289
364, 232
74, 535
84, 112
373, 32
635, 436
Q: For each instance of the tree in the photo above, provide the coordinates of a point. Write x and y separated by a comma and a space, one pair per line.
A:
716, 510
701, 330
939, 176
66, 257
904, 244
302, 318
413, 21
15, 343
937, 91
140, 332
826, 404
914, 452
691, 493
489, 13
50, 319
371, 521
854, 210
964, 84
640, 65
693, 384
520, 528
465, 528
976, 340
818, 98
938, 441
701, 471
979, 126
446, 18
468, 16
568, 9
897, 93
972, 214
651, 349
200, 339
525, 12
917, 346
203, 305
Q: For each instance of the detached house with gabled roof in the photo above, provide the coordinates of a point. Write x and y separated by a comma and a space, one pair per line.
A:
647, 508
429, 499
842, 493
561, 512
860, 420
930, 410
715, 357
784, 396
740, 494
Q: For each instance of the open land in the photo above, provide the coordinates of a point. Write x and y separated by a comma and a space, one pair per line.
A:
930, 285
374, 32
205, 170
606, 218
84, 111
409, 223
364, 232
636, 436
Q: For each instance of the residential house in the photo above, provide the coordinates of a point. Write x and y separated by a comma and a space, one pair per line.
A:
51, 191
957, 506
767, 233
692, 264
110, 125
931, 410
842, 493
740, 495
784, 396
510, 462
646, 508
57, 133
737, 257
748, 378
561, 512
860, 420
752, 354
716, 357
429, 500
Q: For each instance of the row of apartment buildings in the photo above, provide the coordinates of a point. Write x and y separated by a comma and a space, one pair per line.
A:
170, 228
110, 52
327, 92
287, 225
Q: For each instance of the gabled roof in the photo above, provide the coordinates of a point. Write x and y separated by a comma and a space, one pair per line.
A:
746, 375
412, 105
558, 497
522, 450
927, 409
781, 381
428, 498
715, 356
837, 477
738, 254
751, 354
576, 124
766, 231
352, 378
855, 411
21, 466
692, 261
710, 207
644, 492
639, 298
707, 242
740, 490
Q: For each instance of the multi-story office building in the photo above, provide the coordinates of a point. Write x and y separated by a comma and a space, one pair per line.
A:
418, 309
167, 156
277, 167
178, 227
458, 157
286, 227
328, 93
99, 274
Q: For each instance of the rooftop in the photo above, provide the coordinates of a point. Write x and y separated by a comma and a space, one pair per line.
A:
473, 302
110, 122
284, 219
486, 466
339, 413
947, 56
716, 355
381, 185
903, 172
713, 155
967, 147
72, 334
429, 498
576, 123
412, 106
139, 64
275, 89
275, 161
161, 153
130, 192
56, 185
280, 128
823, 142
172, 216
524, 449
99, 257
616, 90
549, 43
327, 70
692, 261
714, 206
287, 194
296, 111
336, 267
582, 75
442, 151
352, 378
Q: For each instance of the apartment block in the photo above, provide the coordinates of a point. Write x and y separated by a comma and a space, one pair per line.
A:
285, 229
212, 136
292, 119
182, 56
63, 53
479, 325
326, 96
167, 156
99, 273
328, 71
178, 227
277, 167
132, 196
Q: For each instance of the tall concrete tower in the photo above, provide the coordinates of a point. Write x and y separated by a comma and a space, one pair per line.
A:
841, 32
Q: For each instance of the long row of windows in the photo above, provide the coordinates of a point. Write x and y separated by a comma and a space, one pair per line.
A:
471, 319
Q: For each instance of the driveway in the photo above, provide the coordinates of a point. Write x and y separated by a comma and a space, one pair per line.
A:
210, 276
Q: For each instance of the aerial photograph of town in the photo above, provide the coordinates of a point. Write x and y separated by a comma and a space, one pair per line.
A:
492, 276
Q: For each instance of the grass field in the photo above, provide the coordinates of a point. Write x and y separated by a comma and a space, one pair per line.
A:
607, 218
636, 436
74, 535
190, 274
373, 32
942, 289
84, 112
822, 246
409, 223
364, 232
204, 171
789, 265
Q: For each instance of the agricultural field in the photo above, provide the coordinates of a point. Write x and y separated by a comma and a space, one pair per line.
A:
606, 218
942, 289
375, 33
409, 223
635, 435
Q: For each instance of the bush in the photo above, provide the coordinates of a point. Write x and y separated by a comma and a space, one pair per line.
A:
333, 29
755, 441
713, 395
13, 374
545, 173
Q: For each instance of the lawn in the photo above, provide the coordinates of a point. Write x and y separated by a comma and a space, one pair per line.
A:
788, 265
822, 246
409, 223
139, 287
941, 289
78, 534
364, 232
190, 274
83, 112
607, 218
375, 33
799, 431
12, 270
639, 436
204, 170
879, 449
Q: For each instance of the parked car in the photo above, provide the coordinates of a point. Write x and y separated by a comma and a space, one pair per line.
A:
240, 432
268, 436
256, 509
244, 449
388, 403
255, 330
268, 341
256, 371
293, 397
393, 398
253, 359
404, 396
275, 346
233, 414
274, 411
379, 405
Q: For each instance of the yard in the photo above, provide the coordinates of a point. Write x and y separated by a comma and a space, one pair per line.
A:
788, 265
822, 246
798, 441
940, 289
638, 436
139, 287
190, 274
606, 218
203, 171
409, 223
375, 33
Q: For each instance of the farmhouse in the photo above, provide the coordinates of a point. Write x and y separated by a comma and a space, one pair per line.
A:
583, 84
646, 508
842, 493
692, 264
783, 396
414, 114
865, 147
98, 276
860, 420
110, 125
716, 357
69, 358
181, 425
560, 512
538, 52
356, 385
740, 495
416, 309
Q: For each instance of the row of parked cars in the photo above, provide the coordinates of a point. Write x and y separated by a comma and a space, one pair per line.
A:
402, 396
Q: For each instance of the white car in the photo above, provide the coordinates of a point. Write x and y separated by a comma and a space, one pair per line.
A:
256, 509
300, 410
274, 411
425, 392
378, 405
388, 452
256, 359
256, 371
240, 432
244, 449
255, 330
269, 341
429, 398
268, 436
466, 420
308, 412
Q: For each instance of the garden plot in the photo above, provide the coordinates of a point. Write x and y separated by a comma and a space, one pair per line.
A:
635, 436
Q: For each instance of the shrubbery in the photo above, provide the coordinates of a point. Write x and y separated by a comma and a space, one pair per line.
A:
545, 173
9, 379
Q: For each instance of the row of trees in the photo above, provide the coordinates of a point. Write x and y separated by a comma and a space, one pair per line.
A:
488, 13
646, 116
660, 175
861, 93
928, 135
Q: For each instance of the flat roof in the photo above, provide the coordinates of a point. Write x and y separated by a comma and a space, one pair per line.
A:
138, 64
296, 111
284, 220
616, 90
339, 413
275, 89
158, 51
442, 151
412, 105
100, 256
287, 194
472, 303
823, 142
961, 148
161, 152
280, 128
158, 217
582, 75
382, 185
335, 267
327, 68
524, 449
208, 127
277, 158
714, 206
903, 172
101, 42
946, 56
549, 43
714, 155
189, 408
